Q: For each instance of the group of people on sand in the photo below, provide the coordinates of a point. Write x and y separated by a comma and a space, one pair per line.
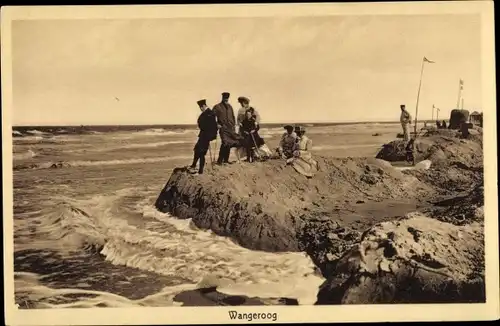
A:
242, 132
441, 124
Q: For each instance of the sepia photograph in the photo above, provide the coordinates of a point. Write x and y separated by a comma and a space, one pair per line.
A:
221, 163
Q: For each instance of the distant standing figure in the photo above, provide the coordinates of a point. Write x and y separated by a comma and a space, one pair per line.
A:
287, 143
226, 123
208, 131
443, 124
245, 106
250, 132
405, 120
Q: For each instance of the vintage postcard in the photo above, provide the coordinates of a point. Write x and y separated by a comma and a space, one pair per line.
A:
272, 163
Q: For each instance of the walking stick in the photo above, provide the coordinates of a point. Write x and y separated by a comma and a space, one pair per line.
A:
216, 138
236, 149
237, 154
210, 153
256, 147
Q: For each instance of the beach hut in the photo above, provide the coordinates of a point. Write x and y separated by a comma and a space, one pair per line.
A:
476, 118
457, 118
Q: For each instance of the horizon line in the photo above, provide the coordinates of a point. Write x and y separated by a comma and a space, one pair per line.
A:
194, 124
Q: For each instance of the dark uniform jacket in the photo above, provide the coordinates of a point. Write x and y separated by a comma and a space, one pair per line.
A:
225, 115
226, 118
208, 125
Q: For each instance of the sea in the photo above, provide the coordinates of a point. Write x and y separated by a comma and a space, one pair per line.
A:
87, 234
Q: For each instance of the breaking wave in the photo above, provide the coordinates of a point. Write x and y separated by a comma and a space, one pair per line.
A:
35, 132
160, 131
336, 147
127, 230
24, 155
271, 131
128, 146
29, 139
29, 287
150, 145
63, 164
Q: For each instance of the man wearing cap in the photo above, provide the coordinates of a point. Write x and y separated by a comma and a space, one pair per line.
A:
208, 132
226, 122
405, 120
287, 143
245, 106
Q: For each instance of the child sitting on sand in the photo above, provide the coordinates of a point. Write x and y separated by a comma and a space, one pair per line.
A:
287, 143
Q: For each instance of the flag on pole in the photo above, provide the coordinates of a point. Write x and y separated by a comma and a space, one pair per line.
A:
427, 60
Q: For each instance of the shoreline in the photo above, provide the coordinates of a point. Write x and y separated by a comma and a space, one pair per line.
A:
127, 127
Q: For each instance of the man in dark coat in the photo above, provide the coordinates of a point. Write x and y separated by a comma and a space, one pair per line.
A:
227, 123
208, 132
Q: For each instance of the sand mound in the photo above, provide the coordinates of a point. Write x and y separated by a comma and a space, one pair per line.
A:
417, 260
439, 146
325, 241
265, 205
462, 209
455, 177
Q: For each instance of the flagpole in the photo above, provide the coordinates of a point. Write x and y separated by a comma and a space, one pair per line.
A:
459, 93
418, 96
432, 118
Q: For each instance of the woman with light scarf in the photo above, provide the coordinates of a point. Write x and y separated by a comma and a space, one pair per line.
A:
302, 160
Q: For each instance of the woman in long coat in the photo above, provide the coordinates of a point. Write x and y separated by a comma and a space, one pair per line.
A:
302, 160
250, 132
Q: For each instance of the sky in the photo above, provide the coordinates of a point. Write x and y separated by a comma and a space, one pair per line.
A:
293, 69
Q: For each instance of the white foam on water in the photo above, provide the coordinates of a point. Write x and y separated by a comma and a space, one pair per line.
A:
36, 132
165, 245
156, 144
63, 164
24, 155
127, 161
334, 147
271, 131
163, 132
130, 146
422, 165
29, 290
27, 139
246, 272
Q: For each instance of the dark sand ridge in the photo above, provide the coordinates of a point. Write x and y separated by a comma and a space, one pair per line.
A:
270, 207
263, 206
